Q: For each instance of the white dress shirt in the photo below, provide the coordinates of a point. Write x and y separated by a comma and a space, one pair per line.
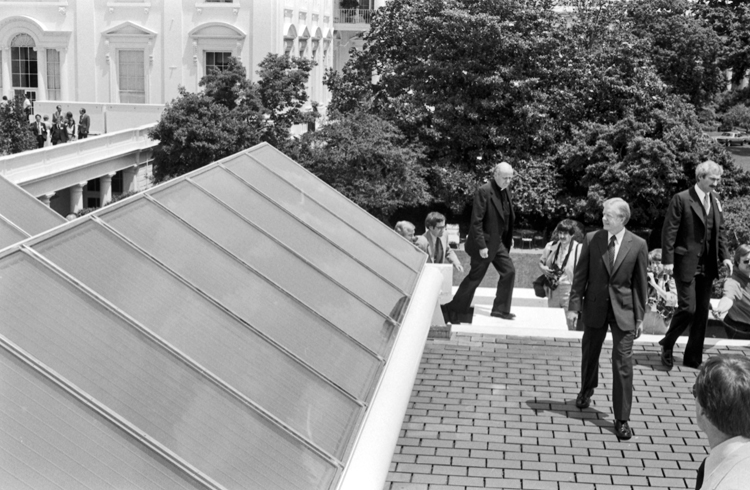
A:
702, 197
728, 466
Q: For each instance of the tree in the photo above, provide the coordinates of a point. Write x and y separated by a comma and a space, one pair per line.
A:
230, 115
737, 116
368, 160
15, 135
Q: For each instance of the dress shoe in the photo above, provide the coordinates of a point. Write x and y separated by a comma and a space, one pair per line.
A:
691, 364
666, 357
583, 400
504, 316
622, 430
449, 316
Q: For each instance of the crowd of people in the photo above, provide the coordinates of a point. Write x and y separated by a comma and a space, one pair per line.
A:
61, 129
607, 280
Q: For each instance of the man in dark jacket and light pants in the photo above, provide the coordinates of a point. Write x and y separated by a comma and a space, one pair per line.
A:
610, 287
489, 242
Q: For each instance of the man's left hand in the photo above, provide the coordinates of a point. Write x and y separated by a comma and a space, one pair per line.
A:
729, 265
459, 267
638, 329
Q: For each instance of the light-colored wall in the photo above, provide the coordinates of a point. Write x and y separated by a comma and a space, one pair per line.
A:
78, 28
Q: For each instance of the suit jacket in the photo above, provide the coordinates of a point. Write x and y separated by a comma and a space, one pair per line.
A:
449, 256
56, 117
684, 232
32, 127
83, 124
488, 228
625, 287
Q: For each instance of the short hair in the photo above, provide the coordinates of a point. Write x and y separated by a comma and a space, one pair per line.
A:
741, 251
709, 167
500, 167
400, 227
622, 207
83, 110
433, 219
565, 226
37, 116
68, 114
654, 255
58, 107
723, 390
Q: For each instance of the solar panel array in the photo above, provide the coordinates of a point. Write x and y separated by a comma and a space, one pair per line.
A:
22, 215
224, 330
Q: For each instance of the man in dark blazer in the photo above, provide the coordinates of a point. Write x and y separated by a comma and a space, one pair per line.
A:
83, 125
610, 287
489, 241
693, 245
40, 131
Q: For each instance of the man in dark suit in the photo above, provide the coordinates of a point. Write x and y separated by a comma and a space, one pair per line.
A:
83, 125
693, 245
610, 287
40, 131
57, 116
489, 241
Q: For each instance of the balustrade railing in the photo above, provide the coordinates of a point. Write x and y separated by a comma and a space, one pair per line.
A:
353, 16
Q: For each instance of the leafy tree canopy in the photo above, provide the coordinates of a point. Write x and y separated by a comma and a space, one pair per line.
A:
231, 114
15, 135
595, 102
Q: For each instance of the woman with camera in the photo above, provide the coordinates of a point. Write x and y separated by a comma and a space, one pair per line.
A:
734, 306
558, 263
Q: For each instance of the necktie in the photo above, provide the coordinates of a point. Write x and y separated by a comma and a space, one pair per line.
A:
706, 203
438, 258
611, 252
699, 476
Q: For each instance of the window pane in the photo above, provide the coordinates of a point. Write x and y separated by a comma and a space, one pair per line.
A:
24, 67
217, 61
9, 234
25, 211
273, 261
48, 435
131, 77
357, 217
152, 389
321, 219
205, 333
53, 74
293, 233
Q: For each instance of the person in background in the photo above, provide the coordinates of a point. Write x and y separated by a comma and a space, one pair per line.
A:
83, 124
558, 262
70, 126
735, 301
662, 291
693, 246
406, 229
489, 242
435, 243
40, 131
27, 104
722, 398
57, 116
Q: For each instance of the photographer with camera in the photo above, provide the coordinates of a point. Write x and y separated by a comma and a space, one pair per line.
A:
558, 263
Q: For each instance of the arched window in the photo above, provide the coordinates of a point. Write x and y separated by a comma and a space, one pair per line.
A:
23, 62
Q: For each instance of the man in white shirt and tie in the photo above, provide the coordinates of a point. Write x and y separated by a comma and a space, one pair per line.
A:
693, 246
610, 287
722, 398
435, 243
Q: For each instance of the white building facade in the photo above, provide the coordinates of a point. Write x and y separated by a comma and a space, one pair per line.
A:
141, 51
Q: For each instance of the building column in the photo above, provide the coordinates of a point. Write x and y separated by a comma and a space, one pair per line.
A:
76, 197
105, 189
41, 70
46, 198
6, 73
130, 179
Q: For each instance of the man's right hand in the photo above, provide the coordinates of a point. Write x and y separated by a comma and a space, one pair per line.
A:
669, 268
484, 253
572, 316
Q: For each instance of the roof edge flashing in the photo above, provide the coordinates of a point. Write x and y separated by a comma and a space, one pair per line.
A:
370, 458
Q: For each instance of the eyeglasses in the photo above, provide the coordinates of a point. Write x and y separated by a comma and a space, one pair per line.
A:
746, 262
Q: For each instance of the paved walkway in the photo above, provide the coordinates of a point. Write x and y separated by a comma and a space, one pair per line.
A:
498, 411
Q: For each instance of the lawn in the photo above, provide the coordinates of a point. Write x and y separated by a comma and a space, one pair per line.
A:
741, 156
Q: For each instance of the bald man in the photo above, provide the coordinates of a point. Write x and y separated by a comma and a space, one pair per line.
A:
489, 242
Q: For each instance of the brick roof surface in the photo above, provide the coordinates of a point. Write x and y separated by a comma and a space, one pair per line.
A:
496, 411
